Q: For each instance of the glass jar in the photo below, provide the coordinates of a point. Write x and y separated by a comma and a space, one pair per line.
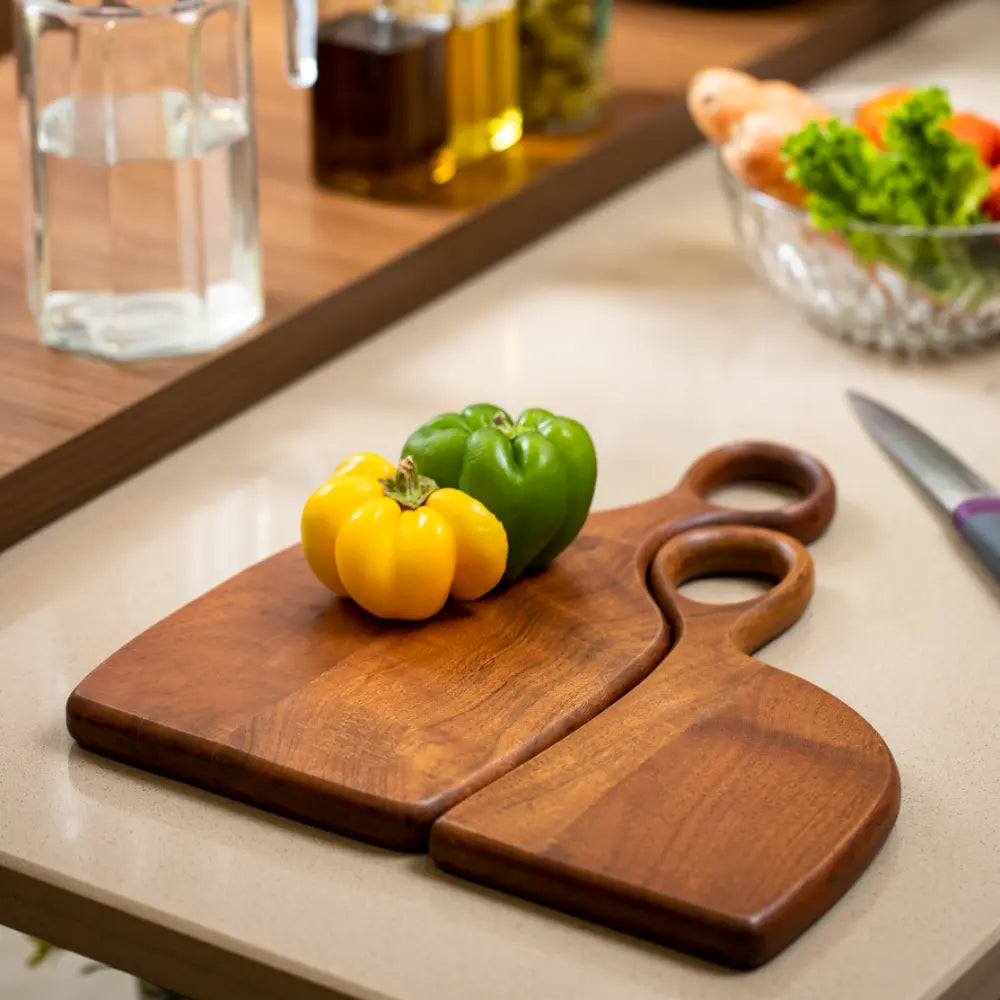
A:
563, 76
138, 129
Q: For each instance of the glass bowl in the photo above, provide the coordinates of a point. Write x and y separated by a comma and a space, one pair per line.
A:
898, 289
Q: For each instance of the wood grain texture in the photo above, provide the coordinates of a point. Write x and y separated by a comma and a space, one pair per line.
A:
338, 269
721, 806
271, 690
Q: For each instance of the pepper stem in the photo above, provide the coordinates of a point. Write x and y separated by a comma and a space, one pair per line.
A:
407, 487
503, 423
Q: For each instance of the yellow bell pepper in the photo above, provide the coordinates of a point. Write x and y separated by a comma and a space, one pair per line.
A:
396, 544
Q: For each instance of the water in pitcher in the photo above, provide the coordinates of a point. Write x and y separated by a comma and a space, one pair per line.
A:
146, 223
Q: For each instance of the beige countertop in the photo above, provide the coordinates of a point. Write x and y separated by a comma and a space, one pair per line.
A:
641, 320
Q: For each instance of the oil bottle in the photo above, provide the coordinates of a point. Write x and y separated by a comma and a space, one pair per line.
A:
380, 101
411, 91
483, 79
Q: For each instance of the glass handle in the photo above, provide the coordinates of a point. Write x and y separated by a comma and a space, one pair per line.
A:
300, 42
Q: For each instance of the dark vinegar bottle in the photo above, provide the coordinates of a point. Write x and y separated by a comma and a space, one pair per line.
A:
380, 113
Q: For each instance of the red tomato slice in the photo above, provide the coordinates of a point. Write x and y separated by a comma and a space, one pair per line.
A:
980, 132
871, 115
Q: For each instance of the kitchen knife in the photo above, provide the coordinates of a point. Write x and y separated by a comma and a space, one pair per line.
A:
974, 505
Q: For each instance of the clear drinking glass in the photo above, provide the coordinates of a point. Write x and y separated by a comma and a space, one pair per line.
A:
138, 128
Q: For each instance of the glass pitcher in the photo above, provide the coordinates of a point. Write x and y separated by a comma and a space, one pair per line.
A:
138, 127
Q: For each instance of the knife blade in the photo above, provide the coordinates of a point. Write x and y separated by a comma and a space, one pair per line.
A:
974, 505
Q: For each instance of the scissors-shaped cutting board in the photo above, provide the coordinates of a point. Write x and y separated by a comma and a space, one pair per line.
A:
720, 806
270, 690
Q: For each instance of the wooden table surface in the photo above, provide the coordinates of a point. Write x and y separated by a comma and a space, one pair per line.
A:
338, 269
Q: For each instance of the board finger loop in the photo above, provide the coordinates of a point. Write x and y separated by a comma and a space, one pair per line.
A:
734, 550
767, 462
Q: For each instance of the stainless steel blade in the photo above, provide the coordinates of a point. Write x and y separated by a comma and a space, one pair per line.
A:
943, 476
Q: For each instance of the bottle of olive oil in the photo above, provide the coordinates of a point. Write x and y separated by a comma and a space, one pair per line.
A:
380, 104
483, 79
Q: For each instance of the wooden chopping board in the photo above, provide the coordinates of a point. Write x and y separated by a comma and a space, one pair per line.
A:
720, 806
270, 690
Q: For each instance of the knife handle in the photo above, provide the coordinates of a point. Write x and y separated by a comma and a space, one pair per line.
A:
978, 521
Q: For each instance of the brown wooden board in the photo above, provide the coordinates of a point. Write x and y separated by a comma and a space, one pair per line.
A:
720, 806
338, 269
271, 690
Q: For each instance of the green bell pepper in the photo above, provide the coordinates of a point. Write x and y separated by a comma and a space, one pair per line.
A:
536, 474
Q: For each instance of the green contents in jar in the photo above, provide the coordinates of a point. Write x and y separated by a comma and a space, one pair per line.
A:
562, 62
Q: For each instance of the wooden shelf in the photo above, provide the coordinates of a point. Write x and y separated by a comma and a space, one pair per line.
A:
338, 269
